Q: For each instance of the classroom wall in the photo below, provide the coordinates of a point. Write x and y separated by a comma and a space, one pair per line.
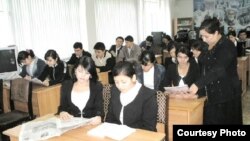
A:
183, 8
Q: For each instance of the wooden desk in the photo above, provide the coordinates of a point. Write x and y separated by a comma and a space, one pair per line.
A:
242, 72
184, 111
45, 100
80, 134
248, 68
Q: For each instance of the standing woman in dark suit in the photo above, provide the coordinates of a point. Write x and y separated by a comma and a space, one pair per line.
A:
55, 69
131, 103
219, 77
82, 96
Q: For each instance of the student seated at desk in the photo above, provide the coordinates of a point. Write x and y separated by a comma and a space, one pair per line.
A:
172, 59
185, 72
103, 59
131, 103
79, 52
32, 66
55, 69
82, 96
149, 70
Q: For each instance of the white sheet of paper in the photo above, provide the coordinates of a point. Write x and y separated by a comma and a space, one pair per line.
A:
113, 131
176, 89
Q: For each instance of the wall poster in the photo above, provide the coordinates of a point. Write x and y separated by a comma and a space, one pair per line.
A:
233, 14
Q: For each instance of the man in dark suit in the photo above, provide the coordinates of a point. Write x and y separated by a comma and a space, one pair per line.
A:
79, 52
115, 49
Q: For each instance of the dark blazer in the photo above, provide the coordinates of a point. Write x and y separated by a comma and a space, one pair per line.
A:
56, 74
113, 49
219, 72
94, 106
159, 76
73, 59
140, 113
173, 77
168, 62
40, 66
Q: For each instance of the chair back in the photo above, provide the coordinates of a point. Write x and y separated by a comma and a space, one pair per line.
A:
103, 77
106, 99
162, 115
21, 91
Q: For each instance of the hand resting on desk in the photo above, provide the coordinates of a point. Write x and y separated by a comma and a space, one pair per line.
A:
93, 121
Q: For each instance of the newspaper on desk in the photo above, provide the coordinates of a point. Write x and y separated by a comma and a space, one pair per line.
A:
42, 130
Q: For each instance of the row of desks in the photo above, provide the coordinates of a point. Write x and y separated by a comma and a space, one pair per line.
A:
46, 101
243, 68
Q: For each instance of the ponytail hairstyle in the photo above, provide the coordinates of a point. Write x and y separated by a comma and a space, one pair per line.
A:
211, 25
53, 54
124, 67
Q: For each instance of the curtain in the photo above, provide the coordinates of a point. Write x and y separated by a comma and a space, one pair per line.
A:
47, 24
156, 16
129, 17
115, 18
6, 37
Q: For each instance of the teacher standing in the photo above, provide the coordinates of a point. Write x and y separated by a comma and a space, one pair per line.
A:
219, 77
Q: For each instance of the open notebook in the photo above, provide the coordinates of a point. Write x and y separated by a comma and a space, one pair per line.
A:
113, 131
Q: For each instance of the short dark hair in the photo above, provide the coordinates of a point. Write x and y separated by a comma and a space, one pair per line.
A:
89, 65
77, 45
167, 37
198, 45
146, 57
22, 55
150, 39
182, 48
53, 54
99, 46
172, 46
242, 31
119, 37
129, 38
125, 68
211, 25
233, 33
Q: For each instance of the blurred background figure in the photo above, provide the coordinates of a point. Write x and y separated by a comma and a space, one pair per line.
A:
32, 66
55, 69
147, 44
102, 58
115, 49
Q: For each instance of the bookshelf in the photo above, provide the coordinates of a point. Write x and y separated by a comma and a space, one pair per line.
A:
183, 24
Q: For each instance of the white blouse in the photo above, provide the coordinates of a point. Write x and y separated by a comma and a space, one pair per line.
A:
80, 99
148, 77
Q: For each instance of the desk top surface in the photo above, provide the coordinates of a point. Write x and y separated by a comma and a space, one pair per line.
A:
81, 134
243, 58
